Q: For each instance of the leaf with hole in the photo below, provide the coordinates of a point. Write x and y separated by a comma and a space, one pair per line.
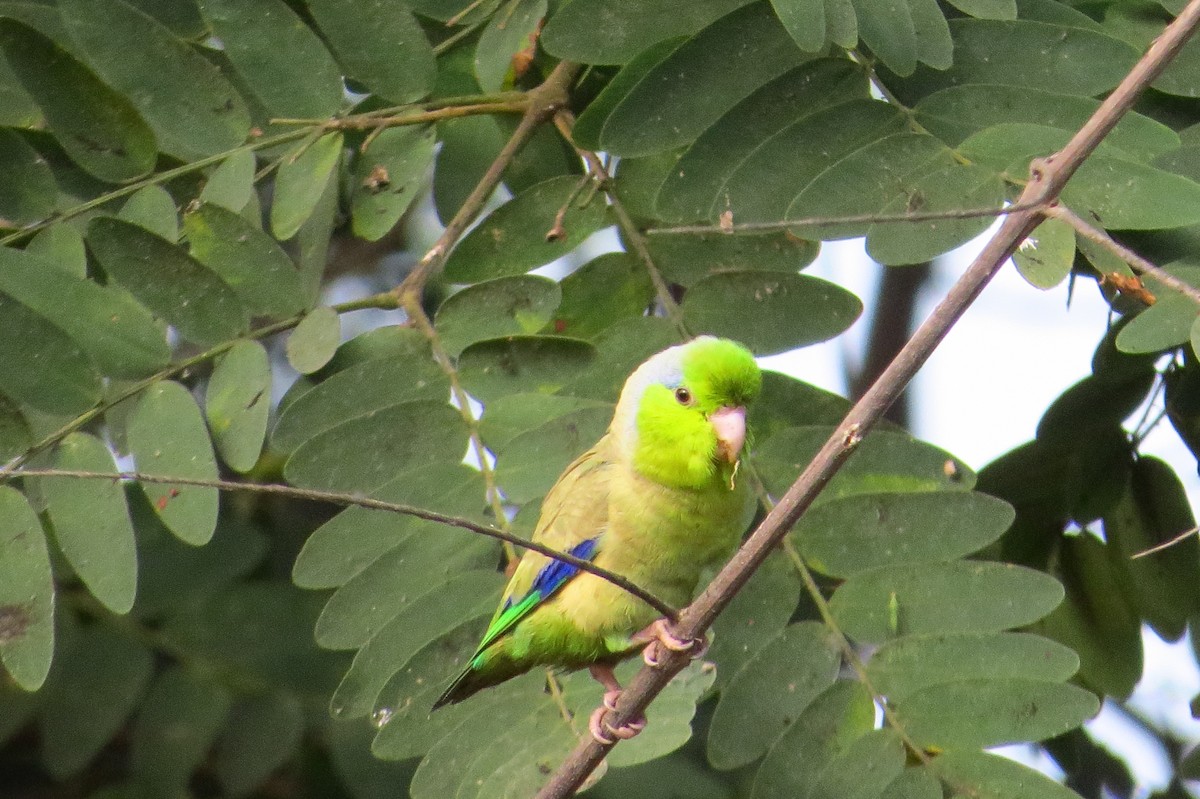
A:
387, 176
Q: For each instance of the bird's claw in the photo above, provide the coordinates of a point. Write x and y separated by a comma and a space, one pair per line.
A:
660, 634
605, 733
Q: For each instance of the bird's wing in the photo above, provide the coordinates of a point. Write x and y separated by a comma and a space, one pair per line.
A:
574, 516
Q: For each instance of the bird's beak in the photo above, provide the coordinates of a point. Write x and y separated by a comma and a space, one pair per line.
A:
730, 427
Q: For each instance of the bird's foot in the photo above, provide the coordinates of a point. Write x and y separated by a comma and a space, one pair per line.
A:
658, 634
607, 734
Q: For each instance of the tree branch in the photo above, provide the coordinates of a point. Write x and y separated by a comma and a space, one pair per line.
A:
340, 498
1048, 177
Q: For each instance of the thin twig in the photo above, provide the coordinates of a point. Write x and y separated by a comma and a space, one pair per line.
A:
1047, 178
1191, 531
789, 224
1139, 264
340, 498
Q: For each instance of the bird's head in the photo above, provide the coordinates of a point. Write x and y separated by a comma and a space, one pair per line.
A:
682, 414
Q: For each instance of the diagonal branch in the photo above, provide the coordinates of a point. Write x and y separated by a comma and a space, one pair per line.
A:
358, 501
1048, 177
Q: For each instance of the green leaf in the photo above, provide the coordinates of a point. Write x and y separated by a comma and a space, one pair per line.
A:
178, 722
280, 58
866, 767
605, 290
934, 45
769, 311
91, 523
987, 9
371, 449
867, 181
787, 402
887, 28
115, 331
689, 259
167, 437
26, 593
1139, 24
193, 109
697, 83
1032, 55
99, 129
756, 616
508, 32
43, 367
694, 189
1168, 322
879, 605
502, 307
509, 417
804, 21
231, 184
631, 26
869, 531
153, 208
407, 728
828, 727
515, 237
1010, 710
28, 192
247, 260
951, 188
1045, 258
237, 401
420, 564
60, 246
992, 775
387, 176
357, 537
527, 466
523, 364
671, 714
15, 435
886, 461
765, 183
357, 391
586, 132
315, 340
380, 45
619, 350
261, 733
841, 23
174, 286
769, 691
956, 112
421, 621
914, 663
1119, 194
300, 181
98, 681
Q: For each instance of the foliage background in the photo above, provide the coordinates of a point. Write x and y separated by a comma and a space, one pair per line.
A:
183, 180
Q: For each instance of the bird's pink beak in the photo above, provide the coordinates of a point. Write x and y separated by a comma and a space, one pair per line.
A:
730, 427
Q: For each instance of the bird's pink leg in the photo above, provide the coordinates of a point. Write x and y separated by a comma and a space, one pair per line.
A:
657, 634
602, 731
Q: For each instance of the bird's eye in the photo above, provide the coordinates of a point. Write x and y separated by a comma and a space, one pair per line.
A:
684, 396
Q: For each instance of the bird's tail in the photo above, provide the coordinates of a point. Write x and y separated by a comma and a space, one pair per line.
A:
481, 672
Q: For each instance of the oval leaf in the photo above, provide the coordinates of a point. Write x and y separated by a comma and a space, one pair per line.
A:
970, 596
168, 438
300, 181
26, 593
315, 340
387, 177
869, 531
769, 311
237, 402
495, 308
43, 367
91, 521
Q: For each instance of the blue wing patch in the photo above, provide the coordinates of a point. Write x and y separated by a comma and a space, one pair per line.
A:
555, 573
